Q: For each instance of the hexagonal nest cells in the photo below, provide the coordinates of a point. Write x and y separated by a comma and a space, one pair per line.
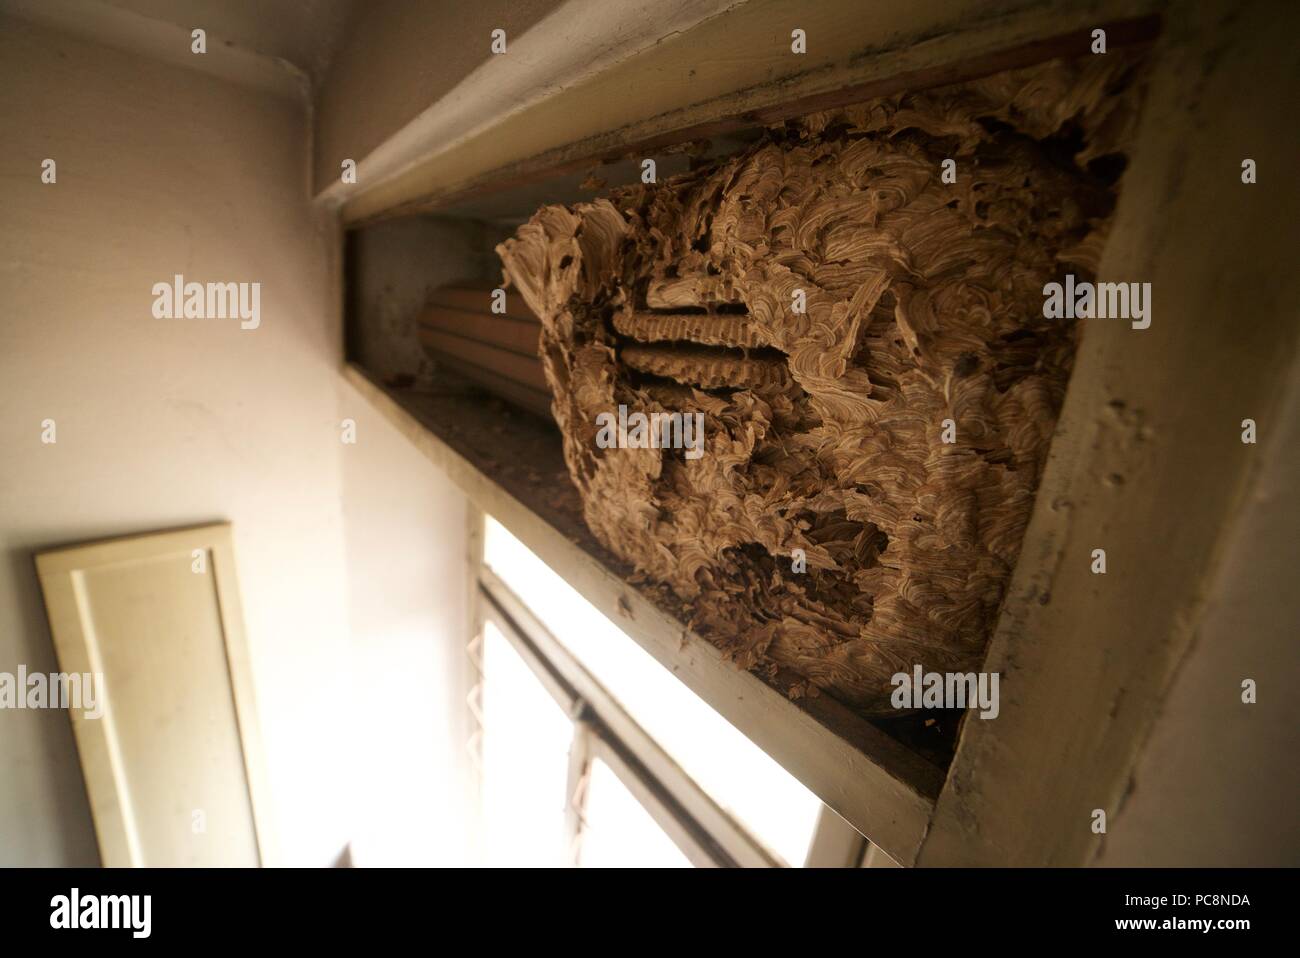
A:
865, 340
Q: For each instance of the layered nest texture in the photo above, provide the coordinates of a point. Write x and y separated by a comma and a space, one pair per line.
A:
866, 343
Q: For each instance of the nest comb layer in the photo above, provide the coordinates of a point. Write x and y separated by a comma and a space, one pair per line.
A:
824, 429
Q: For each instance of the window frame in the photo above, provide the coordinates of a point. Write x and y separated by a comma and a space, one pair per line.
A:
706, 833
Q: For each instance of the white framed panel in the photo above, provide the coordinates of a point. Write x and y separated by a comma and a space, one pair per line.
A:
173, 762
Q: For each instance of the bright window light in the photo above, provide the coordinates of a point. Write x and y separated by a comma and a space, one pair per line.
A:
617, 831
773, 805
526, 739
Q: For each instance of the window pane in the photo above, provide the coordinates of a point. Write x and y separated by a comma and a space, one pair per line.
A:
776, 808
526, 740
617, 831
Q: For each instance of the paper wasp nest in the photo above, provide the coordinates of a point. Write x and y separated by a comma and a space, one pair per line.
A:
824, 428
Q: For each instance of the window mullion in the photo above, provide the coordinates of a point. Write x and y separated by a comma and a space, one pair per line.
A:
559, 667
576, 785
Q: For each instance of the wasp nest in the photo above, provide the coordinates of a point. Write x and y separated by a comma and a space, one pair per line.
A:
861, 324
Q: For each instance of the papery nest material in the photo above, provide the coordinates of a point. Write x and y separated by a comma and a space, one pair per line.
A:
825, 429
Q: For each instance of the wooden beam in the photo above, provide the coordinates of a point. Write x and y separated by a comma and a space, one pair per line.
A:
517, 336
681, 89
501, 363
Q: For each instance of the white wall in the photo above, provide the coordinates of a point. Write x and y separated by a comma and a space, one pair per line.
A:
406, 538
170, 422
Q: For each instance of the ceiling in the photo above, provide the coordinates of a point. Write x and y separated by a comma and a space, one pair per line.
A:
251, 37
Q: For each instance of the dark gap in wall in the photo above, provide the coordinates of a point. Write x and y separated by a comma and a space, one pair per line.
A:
719, 309
351, 297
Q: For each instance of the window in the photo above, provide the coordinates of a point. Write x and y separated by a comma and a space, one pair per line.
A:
594, 754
